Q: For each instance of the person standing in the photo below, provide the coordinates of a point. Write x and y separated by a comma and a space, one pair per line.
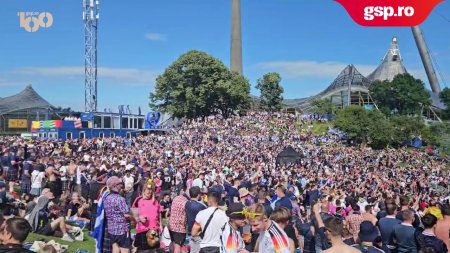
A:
231, 238
443, 226
128, 180
193, 207
272, 238
149, 218
428, 237
333, 229
177, 221
404, 233
367, 235
208, 224
386, 226
25, 182
117, 216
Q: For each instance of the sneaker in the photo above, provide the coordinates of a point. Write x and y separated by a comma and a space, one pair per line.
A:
79, 237
67, 238
75, 230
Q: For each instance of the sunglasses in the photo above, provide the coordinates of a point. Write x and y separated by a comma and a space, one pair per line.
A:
247, 214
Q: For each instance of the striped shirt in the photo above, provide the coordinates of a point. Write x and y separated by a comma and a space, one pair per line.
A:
273, 240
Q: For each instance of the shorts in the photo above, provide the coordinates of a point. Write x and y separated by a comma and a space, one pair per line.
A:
46, 230
124, 241
140, 242
178, 238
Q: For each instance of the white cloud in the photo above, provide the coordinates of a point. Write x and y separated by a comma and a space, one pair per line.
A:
311, 69
156, 36
4, 82
122, 76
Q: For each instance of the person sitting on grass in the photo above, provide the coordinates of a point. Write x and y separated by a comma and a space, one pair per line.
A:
41, 223
77, 210
13, 234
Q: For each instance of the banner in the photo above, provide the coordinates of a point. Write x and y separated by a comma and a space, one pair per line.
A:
17, 123
389, 12
46, 124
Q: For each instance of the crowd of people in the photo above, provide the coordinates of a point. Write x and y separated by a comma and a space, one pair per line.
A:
214, 185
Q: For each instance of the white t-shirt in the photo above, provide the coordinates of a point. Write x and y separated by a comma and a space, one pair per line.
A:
128, 181
214, 230
36, 179
198, 182
275, 235
232, 240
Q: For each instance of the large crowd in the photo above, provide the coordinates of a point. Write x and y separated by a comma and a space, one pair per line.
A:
216, 185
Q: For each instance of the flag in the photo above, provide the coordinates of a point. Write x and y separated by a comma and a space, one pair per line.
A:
97, 234
77, 123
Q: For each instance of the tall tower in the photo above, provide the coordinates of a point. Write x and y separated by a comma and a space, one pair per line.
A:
236, 37
426, 59
90, 19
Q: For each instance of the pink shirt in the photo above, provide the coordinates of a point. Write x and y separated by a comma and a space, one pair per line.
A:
150, 209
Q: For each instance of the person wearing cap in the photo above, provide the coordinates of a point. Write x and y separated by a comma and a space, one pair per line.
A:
148, 217
367, 235
118, 216
246, 198
231, 238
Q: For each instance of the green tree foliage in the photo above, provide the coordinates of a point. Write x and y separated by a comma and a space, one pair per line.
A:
404, 95
355, 122
364, 126
324, 106
198, 85
445, 98
406, 128
271, 92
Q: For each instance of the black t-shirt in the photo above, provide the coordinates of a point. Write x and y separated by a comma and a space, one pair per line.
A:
94, 190
165, 205
166, 182
73, 207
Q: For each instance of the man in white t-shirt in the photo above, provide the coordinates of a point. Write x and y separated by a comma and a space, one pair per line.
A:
210, 231
128, 180
199, 181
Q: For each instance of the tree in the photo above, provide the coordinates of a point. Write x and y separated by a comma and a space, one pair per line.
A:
354, 121
445, 98
405, 128
198, 85
324, 106
271, 91
404, 95
364, 126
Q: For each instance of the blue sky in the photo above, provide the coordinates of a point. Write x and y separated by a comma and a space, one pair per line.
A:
307, 41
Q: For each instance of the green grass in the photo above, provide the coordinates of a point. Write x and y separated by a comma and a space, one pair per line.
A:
88, 243
317, 129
